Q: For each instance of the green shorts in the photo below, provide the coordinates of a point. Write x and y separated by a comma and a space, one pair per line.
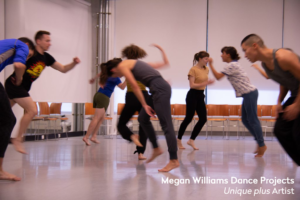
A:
100, 101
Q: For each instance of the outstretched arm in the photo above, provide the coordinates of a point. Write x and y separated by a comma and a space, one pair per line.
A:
218, 75
165, 62
262, 72
65, 68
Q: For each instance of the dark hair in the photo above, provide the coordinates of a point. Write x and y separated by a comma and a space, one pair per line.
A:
199, 55
253, 38
28, 42
133, 52
232, 52
106, 69
40, 34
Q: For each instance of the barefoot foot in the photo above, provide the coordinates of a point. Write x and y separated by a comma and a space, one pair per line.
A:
192, 144
18, 145
135, 140
256, 151
179, 144
261, 151
156, 152
142, 157
86, 141
171, 165
95, 140
7, 176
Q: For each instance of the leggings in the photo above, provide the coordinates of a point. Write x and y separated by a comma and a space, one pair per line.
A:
132, 105
7, 121
194, 102
288, 133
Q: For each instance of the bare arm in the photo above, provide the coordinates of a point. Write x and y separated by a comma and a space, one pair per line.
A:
289, 61
19, 71
261, 71
122, 86
194, 85
92, 80
65, 68
135, 88
165, 62
217, 74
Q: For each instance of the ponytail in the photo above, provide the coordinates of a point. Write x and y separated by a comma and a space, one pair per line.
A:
106, 69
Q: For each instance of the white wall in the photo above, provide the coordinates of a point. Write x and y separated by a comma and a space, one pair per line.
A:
292, 25
69, 23
178, 26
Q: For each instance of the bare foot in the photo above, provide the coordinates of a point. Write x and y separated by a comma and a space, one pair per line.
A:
95, 140
261, 151
192, 144
256, 151
18, 145
156, 152
86, 141
135, 140
7, 176
179, 144
171, 165
142, 157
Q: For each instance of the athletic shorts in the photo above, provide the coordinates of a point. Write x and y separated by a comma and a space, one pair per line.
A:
100, 101
14, 91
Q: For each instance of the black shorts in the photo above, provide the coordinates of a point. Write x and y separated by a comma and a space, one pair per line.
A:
14, 91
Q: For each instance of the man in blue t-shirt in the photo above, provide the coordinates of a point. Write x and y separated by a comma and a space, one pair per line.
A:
16, 52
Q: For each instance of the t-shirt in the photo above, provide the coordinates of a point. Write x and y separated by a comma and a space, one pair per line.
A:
12, 50
110, 86
200, 75
141, 86
238, 79
34, 67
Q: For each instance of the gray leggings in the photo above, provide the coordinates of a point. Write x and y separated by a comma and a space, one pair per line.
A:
7, 121
161, 94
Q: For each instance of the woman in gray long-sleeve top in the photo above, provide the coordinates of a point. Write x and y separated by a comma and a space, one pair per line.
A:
135, 70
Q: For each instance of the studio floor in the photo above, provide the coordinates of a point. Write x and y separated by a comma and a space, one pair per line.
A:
68, 169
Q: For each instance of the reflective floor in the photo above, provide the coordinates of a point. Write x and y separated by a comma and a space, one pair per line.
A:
67, 169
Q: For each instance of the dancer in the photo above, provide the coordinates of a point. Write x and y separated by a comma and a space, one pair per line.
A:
132, 104
198, 79
161, 92
34, 67
243, 88
100, 103
283, 66
16, 52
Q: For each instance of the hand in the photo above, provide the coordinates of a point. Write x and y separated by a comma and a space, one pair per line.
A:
278, 110
210, 81
15, 81
76, 60
157, 46
291, 112
210, 61
149, 111
92, 81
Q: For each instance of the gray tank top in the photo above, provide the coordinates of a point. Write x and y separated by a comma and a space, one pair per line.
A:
144, 73
284, 78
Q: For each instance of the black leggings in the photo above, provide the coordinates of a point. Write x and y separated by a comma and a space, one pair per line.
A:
288, 133
7, 121
194, 102
132, 105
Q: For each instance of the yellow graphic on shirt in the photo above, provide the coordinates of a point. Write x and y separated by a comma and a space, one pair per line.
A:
36, 69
